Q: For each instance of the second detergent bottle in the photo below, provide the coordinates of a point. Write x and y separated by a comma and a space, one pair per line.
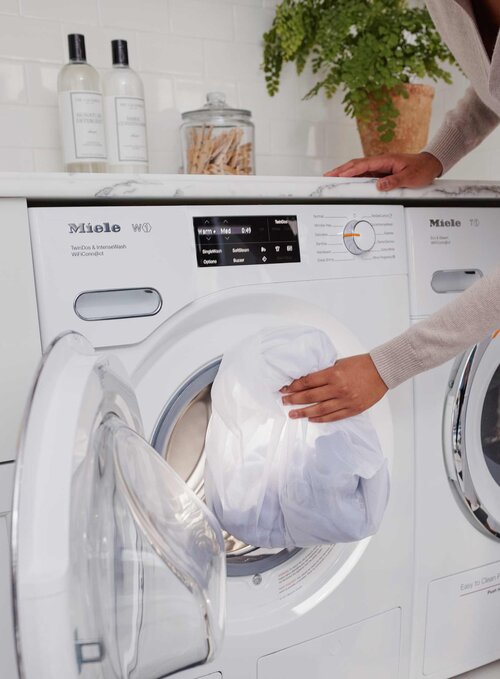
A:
124, 115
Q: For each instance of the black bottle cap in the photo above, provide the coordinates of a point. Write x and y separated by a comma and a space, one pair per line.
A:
119, 52
76, 45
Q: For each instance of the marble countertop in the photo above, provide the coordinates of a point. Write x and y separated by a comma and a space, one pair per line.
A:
158, 186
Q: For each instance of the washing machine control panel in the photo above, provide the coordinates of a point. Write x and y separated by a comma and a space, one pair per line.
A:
126, 268
242, 240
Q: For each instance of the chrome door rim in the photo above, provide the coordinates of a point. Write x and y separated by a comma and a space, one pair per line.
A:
455, 449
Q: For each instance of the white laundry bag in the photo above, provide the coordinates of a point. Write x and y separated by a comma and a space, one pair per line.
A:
277, 482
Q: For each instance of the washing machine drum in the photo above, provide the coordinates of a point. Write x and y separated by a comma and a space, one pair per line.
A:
179, 438
334, 479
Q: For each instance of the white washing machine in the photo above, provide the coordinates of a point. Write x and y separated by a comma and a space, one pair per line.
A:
457, 423
118, 569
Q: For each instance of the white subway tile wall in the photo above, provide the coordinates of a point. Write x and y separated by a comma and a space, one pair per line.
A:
182, 49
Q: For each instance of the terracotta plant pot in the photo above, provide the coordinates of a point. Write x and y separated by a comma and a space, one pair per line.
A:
412, 124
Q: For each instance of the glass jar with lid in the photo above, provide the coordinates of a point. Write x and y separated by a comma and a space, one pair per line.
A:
218, 139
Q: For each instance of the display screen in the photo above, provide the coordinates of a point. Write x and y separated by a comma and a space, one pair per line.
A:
239, 241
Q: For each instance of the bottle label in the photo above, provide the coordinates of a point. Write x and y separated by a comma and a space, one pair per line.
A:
82, 125
126, 130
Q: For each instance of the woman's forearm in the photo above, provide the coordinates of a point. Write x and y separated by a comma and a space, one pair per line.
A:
463, 128
466, 320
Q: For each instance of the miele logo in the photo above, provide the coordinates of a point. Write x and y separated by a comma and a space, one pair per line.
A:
445, 222
105, 227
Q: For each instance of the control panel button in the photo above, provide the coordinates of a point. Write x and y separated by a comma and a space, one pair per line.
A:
359, 236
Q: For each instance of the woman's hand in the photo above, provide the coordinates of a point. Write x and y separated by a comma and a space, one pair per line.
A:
347, 388
397, 170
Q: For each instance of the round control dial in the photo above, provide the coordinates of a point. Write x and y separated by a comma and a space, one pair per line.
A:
359, 236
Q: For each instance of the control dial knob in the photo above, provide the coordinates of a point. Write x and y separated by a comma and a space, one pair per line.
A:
359, 236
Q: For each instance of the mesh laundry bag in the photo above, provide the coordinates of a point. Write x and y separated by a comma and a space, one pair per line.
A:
277, 482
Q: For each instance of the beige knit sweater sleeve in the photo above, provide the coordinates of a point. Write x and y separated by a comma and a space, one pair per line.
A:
466, 320
463, 128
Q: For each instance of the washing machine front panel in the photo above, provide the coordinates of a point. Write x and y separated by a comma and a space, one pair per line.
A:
318, 589
472, 434
118, 568
172, 372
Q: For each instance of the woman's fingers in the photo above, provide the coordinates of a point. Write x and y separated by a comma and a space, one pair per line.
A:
359, 166
317, 379
336, 170
310, 395
317, 410
404, 179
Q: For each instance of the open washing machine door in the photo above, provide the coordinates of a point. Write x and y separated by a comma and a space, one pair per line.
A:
472, 434
118, 568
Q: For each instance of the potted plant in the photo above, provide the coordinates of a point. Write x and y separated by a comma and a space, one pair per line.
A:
372, 50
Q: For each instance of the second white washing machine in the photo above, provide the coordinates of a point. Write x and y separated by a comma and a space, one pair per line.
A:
119, 570
457, 453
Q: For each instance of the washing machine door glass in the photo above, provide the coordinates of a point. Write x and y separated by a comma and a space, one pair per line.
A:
119, 568
490, 426
472, 434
